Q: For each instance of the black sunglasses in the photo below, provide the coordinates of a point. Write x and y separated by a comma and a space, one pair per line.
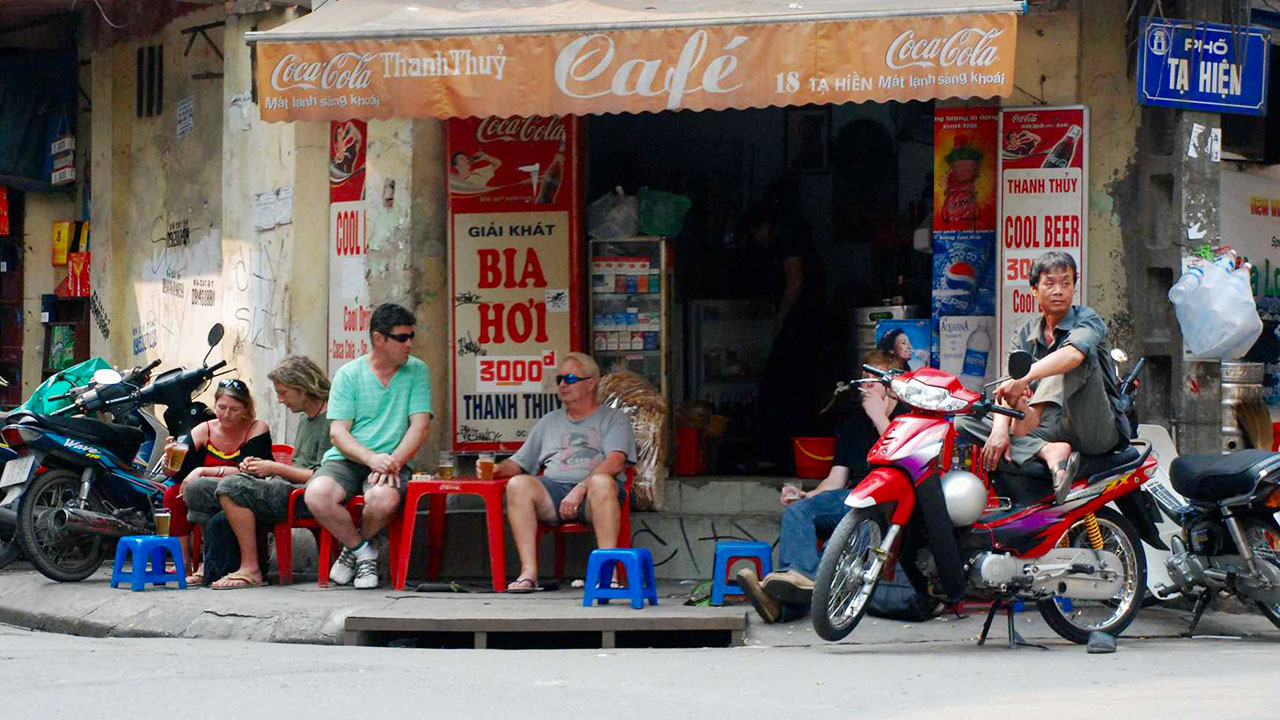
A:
399, 337
234, 384
570, 379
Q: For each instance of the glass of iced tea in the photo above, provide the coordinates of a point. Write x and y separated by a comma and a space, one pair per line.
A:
162, 523
444, 469
484, 465
175, 453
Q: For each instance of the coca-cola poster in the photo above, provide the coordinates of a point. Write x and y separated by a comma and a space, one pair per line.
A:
514, 202
349, 309
1044, 180
965, 161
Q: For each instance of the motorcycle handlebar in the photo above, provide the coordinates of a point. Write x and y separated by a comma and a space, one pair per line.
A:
1015, 414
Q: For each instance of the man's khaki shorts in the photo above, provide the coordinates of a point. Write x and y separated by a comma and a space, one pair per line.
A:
353, 477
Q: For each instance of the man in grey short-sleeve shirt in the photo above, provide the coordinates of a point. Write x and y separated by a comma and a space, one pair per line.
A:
570, 469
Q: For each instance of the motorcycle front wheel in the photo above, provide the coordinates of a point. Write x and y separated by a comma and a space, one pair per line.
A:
1074, 620
842, 590
62, 556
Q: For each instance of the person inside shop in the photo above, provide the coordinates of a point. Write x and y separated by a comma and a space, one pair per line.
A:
898, 346
784, 594
217, 447
1071, 394
570, 469
795, 372
379, 413
258, 495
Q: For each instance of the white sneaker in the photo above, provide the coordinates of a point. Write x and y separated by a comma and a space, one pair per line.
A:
367, 574
344, 568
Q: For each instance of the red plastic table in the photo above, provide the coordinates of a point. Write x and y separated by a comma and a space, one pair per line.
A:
436, 492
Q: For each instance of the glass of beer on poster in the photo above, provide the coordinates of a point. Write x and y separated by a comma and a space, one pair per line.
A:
444, 468
484, 465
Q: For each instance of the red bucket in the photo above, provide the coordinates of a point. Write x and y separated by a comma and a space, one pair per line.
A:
814, 456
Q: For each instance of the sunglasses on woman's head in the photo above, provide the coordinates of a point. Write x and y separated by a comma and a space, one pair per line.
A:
570, 379
399, 337
234, 384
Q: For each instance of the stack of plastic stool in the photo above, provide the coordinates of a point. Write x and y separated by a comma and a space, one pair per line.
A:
728, 551
146, 555
638, 563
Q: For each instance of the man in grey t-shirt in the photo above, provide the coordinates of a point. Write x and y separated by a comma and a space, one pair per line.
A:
570, 469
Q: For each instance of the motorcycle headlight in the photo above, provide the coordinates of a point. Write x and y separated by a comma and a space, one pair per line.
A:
927, 397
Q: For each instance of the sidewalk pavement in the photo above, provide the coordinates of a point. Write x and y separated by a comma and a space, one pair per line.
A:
305, 613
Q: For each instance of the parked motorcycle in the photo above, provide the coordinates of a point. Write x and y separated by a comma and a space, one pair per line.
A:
88, 480
963, 533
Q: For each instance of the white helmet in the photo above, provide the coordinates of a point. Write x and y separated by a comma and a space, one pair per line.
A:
966, 497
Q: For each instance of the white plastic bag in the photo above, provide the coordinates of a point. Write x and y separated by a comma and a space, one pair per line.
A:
613, 216
1216, 310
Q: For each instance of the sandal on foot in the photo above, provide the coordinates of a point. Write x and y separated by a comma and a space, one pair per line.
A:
238, 581
195, 579
523, 585
1064, 476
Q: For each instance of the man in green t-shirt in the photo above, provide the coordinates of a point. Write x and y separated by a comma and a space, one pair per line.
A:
379, 413
259, 493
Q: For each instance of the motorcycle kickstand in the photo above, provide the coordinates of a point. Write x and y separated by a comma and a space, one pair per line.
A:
986, 626
1015, 639
1202, 604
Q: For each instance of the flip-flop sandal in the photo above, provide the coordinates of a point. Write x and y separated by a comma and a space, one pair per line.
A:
523, 585
241, 581
195, 579
1071, 468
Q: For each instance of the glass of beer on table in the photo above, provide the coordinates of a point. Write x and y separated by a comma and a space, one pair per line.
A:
444, 469
162, 523
175, 453
484, 465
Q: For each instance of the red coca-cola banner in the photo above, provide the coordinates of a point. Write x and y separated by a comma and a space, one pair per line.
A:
514, 218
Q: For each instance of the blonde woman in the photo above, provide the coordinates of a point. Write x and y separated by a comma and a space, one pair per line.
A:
217, 448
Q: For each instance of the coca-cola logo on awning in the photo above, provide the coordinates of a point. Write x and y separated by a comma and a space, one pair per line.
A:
521, 129
344, 71
967, 47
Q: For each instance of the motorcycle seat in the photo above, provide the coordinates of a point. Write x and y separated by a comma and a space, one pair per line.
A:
120, 440
1032, 481
1218, 477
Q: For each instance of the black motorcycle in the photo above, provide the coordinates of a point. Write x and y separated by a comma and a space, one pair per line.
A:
1230, 540
88, 480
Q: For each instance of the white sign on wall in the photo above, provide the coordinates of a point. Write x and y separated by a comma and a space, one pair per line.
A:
349, 308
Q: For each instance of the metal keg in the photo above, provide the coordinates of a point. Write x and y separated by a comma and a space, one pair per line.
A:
1241, 381
863, 332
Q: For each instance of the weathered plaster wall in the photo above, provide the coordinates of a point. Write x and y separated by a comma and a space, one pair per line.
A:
430, 271
39, 275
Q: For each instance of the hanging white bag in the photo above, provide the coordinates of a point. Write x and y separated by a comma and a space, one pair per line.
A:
1215, 308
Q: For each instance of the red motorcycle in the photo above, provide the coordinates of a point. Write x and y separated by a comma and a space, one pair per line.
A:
966, 535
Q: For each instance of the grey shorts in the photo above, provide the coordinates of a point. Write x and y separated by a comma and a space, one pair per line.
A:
558, 491
268, 497
353, 477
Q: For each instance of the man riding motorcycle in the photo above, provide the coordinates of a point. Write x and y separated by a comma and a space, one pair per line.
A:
1071, 396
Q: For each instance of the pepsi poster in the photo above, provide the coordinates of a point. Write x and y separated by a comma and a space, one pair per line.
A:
1043, 179
965, 142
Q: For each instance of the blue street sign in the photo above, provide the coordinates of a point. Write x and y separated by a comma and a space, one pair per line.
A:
1204, 66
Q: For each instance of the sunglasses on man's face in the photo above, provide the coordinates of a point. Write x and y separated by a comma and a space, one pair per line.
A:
399, 337
570, 379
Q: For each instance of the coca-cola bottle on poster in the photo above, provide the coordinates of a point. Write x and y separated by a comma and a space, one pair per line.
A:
1062, 153
551, 181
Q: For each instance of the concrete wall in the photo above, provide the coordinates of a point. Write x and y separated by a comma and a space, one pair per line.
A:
39, 276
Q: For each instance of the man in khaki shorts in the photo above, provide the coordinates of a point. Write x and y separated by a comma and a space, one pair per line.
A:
259, 493
379, 412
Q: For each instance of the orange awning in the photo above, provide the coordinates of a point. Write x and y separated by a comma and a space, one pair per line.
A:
463, 58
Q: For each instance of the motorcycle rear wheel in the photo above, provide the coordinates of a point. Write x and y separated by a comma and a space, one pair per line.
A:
64, 556
1119, 537
841, 595
1264, 539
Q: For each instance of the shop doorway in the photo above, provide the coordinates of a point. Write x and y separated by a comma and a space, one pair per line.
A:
845, 188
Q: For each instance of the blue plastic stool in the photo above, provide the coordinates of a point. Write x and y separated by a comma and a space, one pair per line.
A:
148, 550
727, 551
638, 563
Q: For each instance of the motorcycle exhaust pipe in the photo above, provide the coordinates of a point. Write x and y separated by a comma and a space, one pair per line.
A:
87, 521
8, 523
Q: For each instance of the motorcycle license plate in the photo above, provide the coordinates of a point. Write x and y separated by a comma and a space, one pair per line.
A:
17, 471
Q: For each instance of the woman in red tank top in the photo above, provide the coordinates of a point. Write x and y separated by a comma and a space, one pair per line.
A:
217, 447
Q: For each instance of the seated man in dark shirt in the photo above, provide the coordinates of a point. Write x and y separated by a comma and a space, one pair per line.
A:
785, 593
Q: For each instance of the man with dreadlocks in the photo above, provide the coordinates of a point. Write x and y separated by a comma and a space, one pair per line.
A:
259, 493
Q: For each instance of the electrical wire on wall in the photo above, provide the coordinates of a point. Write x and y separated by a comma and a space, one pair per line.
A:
102, 12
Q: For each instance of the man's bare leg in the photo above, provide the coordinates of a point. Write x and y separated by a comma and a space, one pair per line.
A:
527, 502
603, 511
325, 498
1056, 455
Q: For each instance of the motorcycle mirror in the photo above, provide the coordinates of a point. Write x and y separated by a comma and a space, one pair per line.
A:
107, 376
215, 334
1020, 364
1119, 356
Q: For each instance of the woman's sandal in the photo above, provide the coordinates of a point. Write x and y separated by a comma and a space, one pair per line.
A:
522, 585
238, 581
